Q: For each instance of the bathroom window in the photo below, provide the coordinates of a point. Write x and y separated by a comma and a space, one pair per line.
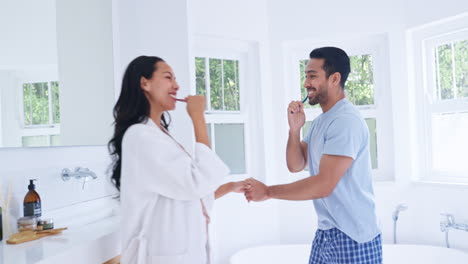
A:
367, 87
221, 74
41, 114
443, 67
218, 80
449, 127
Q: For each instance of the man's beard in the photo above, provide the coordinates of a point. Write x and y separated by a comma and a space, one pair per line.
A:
314, 101
321, 97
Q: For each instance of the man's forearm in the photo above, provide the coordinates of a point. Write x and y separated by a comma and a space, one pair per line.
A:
294, 156
306, 189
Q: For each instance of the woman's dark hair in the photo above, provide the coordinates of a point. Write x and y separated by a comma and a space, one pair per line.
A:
335, 60
132, 107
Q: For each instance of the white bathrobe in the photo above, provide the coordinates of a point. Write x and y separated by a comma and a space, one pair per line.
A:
163, 192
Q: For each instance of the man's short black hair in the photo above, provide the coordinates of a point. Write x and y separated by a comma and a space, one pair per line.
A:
335, 60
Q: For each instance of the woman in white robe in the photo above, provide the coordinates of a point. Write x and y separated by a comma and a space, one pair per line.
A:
165, 193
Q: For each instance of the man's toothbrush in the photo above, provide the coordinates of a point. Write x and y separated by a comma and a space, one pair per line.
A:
303, 101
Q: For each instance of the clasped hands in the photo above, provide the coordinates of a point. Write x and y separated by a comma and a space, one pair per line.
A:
253, 189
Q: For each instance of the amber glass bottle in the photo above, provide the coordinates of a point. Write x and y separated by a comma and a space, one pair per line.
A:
32, 201
1, 226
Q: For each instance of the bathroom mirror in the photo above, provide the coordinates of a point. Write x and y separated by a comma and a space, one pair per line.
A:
56, 73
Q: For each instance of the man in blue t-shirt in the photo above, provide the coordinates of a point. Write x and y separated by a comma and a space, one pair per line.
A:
336, 150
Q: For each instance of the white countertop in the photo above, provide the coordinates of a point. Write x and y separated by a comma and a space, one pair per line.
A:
93, 243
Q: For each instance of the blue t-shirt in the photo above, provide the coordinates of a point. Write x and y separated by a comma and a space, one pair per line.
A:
350, 207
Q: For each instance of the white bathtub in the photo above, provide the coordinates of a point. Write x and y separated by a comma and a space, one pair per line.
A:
392, 254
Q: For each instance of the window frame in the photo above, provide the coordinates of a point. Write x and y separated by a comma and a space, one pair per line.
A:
421, 42
377, 47
242, 51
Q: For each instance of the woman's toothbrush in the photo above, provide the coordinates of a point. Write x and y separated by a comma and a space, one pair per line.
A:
303, 101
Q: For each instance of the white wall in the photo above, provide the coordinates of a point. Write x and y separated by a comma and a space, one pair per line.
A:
33, 22
246, 20
86, 71
417, 12
9, 104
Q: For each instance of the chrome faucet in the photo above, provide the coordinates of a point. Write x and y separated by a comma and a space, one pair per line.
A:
398, 209
79, 173
448, 222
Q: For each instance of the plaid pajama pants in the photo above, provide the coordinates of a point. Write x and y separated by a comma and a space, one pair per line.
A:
335, 247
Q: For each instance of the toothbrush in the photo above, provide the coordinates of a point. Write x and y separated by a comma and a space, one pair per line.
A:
181, 100
303, 101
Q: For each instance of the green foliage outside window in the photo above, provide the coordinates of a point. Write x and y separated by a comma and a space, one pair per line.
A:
231, 85
200, 76
55, 102
216, 89
451, 62
360, 83
461, 67
36, 105
223, 83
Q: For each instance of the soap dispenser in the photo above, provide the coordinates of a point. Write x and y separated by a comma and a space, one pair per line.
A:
32, 201
1, 225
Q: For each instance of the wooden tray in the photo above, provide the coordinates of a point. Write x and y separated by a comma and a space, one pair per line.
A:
30, 235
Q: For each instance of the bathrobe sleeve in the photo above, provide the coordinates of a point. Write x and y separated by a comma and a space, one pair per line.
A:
209, 201
165, 168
